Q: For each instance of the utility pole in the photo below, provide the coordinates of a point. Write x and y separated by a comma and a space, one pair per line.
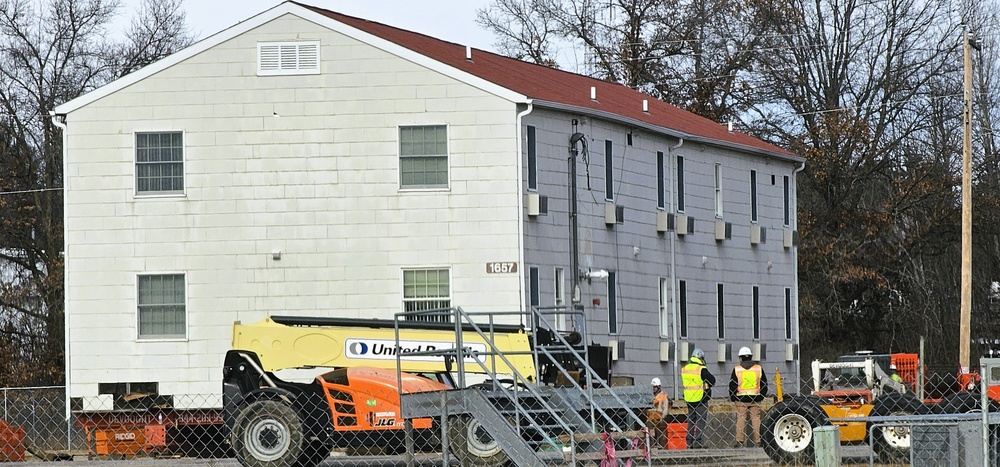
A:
964, 335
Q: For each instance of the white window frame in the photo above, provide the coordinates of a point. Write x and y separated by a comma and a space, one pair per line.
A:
446, 156
139, 308
531, 134
661, 181
136, 164
664, 308
753, 196
720, 308
787, 200
682, 311
679, 190
446, 299
559, 299
609, 170
718, 191
613, 316
288, 58
755, 311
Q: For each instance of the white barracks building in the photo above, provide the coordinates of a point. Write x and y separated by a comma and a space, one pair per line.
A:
304, 162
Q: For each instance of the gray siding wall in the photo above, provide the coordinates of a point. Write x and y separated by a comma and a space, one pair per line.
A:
639, 255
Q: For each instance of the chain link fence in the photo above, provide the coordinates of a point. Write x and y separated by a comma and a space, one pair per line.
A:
934, 420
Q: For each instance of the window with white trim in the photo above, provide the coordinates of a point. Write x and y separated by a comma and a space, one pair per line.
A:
661, 190
159, 162
720, 302
562, 321
788, 313
427, 289
288, 58
755, 298
680, 183
161, 307
612, 302
787, 198
664, 308
718, 190
753, 196
682, 307
423, 156
609, 171
532, 160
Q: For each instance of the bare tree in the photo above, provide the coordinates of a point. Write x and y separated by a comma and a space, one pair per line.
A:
50, 52
687, 53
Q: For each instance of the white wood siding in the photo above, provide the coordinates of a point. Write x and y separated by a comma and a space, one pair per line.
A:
318, 182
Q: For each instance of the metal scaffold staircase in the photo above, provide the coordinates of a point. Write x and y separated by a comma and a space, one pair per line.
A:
565, 414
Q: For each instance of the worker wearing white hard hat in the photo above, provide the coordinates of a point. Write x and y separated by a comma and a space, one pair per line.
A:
747, 389
655, 415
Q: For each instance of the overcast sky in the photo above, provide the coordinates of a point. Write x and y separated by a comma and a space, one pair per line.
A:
451, 20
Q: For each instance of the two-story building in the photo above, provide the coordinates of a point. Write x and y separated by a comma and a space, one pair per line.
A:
304, 162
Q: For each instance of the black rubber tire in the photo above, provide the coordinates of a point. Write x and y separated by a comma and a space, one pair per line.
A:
965, 402
472, 445
268, 434
786, 430
892, 443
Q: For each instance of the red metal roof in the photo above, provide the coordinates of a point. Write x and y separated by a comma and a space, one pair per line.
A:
548, 84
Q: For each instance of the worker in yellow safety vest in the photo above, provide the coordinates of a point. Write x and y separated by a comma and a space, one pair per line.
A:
894, 375
698, 382
747, 388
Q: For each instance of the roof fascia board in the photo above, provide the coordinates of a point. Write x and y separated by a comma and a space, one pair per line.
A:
412, 56
664, 130
177, 57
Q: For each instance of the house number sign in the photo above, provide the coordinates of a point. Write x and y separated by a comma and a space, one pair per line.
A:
501, 267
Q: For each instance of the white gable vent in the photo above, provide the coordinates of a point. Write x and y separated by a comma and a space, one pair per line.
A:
288, 58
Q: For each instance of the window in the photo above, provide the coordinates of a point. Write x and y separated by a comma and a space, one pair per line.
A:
788, 201
427, 289
680, 183
664, 308
559, 299
661, 191
288, 58
533, 286
718, 190
532, 160
753, 196
159, 162
682, 305
756, 312
721, 308
788, 313
423, 156
609, 178
612, 303
161, 306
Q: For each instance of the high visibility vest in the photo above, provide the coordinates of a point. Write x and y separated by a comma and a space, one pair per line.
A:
748, 380
694, 386
897, 378
659, 407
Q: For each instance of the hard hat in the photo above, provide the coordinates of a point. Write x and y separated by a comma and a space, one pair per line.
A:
892, 367
656, 381
745, 352
698, 353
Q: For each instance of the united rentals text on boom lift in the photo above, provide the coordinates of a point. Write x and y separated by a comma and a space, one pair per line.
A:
379, 349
